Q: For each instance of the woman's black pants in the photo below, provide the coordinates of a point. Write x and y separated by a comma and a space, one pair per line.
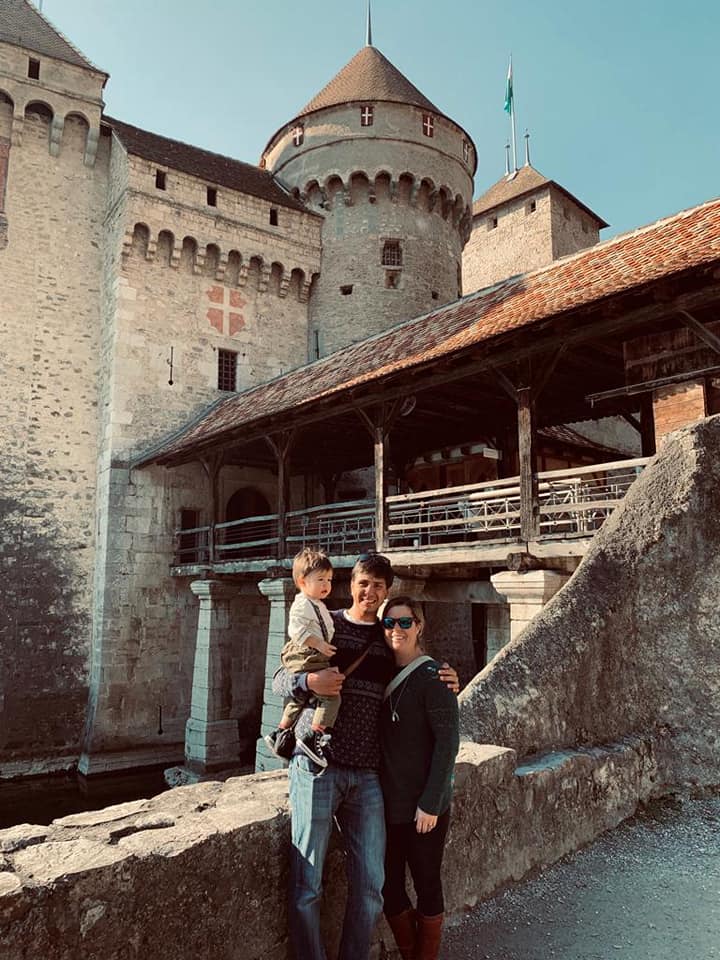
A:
422, 853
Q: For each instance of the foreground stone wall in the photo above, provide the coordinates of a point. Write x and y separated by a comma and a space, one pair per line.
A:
202, 870
631, 642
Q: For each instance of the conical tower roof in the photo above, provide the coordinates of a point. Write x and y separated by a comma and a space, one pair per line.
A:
368, 76
22, 25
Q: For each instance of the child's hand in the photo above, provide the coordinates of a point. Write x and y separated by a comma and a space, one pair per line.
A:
327, 649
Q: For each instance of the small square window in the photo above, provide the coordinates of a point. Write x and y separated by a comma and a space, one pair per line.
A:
298, 135
227, 370
392, 254
492, 223
161, 180
273, 217
346, 290
428, 125
33, 69
211, 196
366, 116
392, 279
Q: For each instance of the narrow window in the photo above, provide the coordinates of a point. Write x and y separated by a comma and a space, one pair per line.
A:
227, 370
298, 135
273, 217
532, 206
161, 180
366, 116
428, 125
492, 223
316, 344
33, 69
466, 151
346, 290
211, 197
392, 254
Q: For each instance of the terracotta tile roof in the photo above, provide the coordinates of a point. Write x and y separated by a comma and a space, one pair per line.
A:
564, 434
526, 180
212, 167
368, 76
23, 25
688, 239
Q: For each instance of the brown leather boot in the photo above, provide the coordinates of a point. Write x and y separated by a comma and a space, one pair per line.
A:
429, 931
404, 930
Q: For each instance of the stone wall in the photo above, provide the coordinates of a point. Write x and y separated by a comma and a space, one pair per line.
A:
631, 641
202, 870
511, 239
50, 329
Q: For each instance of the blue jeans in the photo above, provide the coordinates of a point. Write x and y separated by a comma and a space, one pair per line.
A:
354, 798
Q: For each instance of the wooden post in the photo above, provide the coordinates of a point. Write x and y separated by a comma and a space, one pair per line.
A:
647, 426
212, 468
281, 448
529, 506
380, 442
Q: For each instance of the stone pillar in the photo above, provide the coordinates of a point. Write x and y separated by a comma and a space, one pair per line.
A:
527, 593
280, 592
212, 739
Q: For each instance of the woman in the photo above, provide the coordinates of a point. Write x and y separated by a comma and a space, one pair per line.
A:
419, 736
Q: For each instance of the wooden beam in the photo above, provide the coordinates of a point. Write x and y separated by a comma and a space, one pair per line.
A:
380, 444
529, 507
541, 379
649, 385
701, 330
647, 426
633, 421
281, 446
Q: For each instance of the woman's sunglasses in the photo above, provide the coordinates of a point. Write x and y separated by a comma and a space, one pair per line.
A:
403, 622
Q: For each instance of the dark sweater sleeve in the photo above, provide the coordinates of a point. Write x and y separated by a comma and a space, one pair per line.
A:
442, 713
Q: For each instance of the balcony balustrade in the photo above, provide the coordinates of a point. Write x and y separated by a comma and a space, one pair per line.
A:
572, 503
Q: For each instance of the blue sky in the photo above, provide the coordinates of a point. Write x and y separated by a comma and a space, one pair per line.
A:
620, 96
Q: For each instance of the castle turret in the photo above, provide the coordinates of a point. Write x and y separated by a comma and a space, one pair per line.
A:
524, 221
393, 177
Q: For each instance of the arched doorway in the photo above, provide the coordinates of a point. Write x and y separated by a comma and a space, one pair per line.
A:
246, 502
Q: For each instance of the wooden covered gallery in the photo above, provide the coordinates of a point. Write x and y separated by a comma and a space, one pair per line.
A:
483, 395
489, 384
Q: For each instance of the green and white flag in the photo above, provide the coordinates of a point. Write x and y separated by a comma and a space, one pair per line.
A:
509, 90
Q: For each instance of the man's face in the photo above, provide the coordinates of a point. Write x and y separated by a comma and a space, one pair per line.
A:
368, 591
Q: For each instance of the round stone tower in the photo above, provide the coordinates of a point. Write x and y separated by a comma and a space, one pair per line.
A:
393, 177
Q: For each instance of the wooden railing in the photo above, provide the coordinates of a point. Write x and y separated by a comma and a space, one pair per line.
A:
572, 503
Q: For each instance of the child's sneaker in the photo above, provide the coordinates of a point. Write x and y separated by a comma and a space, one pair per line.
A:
315, 745
281, 742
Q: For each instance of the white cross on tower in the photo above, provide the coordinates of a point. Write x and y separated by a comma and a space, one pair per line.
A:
298, 135
427, 125
366, 116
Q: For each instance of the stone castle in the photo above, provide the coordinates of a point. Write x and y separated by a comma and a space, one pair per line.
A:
143, 280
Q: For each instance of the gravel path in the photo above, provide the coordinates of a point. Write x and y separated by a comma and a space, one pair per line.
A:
649, 890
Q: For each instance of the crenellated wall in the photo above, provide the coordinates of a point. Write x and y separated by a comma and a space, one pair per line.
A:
50, 328
374, 184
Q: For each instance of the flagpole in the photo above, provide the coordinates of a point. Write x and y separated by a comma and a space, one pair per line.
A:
512, 117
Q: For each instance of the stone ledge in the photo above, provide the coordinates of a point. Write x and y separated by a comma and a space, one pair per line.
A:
204, 867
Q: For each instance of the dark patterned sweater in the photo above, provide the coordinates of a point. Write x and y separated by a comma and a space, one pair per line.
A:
419, 746
355, 739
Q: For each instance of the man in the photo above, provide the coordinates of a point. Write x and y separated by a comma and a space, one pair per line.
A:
349, 788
